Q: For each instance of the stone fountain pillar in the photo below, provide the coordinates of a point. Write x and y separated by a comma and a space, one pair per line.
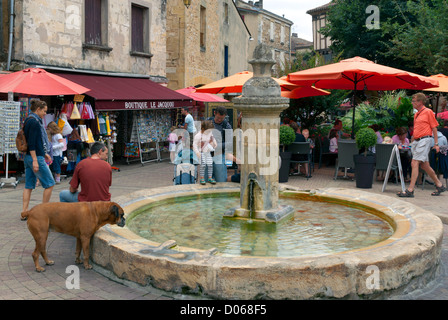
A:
261, 104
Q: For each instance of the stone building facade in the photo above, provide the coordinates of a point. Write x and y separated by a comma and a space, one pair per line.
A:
321, 43
206, 42
54, 33
268, 28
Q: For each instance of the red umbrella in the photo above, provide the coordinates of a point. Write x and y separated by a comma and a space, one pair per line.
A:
360, 74
37, 81
200, 96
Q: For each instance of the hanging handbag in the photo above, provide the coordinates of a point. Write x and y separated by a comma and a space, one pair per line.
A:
75, 113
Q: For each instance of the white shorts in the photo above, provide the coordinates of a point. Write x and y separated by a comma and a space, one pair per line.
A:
420, 149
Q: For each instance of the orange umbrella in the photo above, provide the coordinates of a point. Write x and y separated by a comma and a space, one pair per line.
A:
37, 81
443, 87
443, 83
231, 84
200, 96
303, 92
360, 74
234, 84
294, 91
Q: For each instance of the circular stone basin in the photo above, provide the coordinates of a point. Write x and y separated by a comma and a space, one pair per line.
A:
317, 228
392, 247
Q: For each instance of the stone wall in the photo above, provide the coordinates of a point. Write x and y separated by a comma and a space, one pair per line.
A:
51, 32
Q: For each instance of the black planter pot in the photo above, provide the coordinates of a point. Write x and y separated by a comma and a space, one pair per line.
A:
283, 174
364, 170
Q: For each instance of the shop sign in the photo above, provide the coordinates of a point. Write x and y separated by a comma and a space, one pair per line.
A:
140, 105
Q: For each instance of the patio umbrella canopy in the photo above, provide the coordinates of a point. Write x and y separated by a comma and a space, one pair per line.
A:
303, 92
35, 81
234, 84
443, 83
200, 96
360, 74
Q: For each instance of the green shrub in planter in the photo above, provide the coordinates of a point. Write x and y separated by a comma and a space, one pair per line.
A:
365, 138
287, 136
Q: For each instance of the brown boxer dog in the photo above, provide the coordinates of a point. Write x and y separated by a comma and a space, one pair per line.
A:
79, 219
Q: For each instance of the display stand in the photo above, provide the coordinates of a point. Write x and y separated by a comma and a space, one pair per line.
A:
395, 153
147, 150
9, 126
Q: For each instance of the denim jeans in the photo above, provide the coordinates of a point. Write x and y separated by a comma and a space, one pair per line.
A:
67, 196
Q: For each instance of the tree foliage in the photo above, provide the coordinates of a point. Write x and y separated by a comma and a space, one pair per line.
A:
422, 41
411, 35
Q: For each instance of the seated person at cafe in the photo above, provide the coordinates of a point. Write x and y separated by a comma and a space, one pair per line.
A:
334, 136
405, 155
94, 174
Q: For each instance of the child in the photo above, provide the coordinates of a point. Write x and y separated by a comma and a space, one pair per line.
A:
173, 140
203, 144
306, 134
333, 140
57, 142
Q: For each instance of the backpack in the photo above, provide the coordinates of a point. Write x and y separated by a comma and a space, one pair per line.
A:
21, 144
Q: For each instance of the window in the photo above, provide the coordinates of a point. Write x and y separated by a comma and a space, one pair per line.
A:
95, 12
271, 31
203, 26
140, 31
226, 13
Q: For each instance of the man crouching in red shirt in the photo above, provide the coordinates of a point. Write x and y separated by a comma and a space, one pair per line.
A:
95, 176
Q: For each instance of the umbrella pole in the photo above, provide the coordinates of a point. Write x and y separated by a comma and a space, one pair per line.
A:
437, 102
354, 108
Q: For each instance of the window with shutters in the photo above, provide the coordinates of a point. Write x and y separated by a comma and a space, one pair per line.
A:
95, 24
140, 31
203, 28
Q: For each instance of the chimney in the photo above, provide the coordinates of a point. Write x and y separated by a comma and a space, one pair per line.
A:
259, 4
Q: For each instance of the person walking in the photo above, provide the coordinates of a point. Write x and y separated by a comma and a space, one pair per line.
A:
94, 174
425, 127
36, 155
57, 142
189, 124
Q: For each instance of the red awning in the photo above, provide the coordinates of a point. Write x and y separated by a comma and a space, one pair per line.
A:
120, 93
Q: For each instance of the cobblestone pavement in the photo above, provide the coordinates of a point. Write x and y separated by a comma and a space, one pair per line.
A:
18, 279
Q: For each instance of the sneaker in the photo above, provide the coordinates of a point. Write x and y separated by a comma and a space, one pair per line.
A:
212, 181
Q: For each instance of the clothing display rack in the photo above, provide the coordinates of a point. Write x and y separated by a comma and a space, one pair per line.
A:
9, 126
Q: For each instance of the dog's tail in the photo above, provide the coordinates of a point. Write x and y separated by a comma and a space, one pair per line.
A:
25, 214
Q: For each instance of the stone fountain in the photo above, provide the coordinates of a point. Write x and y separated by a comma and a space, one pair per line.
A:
261, 104
404, 261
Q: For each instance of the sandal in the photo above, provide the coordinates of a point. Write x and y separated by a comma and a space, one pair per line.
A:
202, 181
406, 194
438, 191
212, 181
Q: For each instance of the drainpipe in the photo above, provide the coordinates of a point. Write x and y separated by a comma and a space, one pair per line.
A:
11, 30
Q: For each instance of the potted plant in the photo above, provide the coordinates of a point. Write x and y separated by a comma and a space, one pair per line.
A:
287, 136
365, 161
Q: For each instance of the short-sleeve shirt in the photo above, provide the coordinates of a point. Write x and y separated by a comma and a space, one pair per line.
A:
190, 123
424, 122
95, 177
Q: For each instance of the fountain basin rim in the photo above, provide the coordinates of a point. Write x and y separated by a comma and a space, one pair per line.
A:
412, 252
403, 223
